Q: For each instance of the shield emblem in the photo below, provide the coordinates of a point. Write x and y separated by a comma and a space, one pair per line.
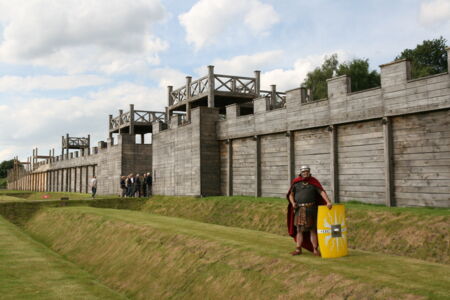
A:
332, 231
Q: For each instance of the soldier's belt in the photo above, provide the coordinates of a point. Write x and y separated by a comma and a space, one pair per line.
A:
306, 204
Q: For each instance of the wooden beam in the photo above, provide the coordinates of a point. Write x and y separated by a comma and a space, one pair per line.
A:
230, 167
334, 172
388, 161
257, 140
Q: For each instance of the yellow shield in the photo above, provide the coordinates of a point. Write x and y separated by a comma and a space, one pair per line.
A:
332, 231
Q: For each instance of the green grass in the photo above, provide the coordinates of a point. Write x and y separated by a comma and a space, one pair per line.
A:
29, 270
18, 212
422, 233
142, 254
25, 195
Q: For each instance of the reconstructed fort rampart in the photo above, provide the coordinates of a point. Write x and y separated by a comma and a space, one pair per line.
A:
222, 135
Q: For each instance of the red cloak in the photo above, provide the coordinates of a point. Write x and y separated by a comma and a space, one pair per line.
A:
306, 243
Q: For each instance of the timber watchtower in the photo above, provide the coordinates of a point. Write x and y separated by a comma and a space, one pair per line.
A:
217, 90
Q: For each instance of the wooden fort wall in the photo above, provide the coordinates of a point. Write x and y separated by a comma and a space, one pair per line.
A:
72, 172
387, 145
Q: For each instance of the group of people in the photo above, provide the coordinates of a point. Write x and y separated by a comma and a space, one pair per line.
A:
136, 185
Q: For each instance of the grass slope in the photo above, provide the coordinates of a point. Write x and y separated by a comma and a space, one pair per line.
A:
29, 270
5, 195
422, 233
149, 257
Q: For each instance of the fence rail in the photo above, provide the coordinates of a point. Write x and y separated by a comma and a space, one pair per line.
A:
138, 117
76, 142
222, 83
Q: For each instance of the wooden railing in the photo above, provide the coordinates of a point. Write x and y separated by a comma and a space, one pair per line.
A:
199, 86
234, 84
138, 117
76, 142
142, 116
222, 83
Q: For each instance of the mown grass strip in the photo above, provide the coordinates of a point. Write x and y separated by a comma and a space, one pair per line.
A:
157, 246
27, 196
422, 233
29, 270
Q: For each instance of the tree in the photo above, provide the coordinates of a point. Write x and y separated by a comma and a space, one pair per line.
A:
428, 58
316, 80
357, 69
361, 78
5, 166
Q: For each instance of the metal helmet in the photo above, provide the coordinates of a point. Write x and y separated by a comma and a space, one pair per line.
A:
304, 168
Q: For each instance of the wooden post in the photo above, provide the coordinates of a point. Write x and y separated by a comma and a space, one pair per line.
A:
142, 138
169, 95
110, 126
87, 180
188, 97
334, 172
81, 180
211, 86
131, 119
34, 155
89, 145
75, 179
290, 156
257, 140
67, 147
230, 168
257, 82
120, 120
388, 161
273, 95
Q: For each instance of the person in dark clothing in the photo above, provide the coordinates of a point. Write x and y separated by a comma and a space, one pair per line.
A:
144, 185
138, 186
123, 186
305, 194
130, 185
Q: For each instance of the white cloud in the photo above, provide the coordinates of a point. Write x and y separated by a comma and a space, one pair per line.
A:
434, 12
168, 76
78, 35
209, 20
45, 82
245, 64
285, 79
44, 120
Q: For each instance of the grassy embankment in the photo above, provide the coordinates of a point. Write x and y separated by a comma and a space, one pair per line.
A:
422, 233
148, 256
9, 195
29, 270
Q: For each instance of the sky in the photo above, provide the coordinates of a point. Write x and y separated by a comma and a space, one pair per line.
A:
66, 65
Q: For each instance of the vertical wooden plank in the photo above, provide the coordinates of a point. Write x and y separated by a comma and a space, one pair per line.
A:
290, 137
87, 180
388, 161
334, 172
81, 180
211, 86
257, 140
230, 168
75, 179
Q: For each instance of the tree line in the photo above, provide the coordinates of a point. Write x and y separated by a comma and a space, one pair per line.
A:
427, 58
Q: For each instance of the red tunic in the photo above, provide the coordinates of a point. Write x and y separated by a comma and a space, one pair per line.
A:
306, 243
